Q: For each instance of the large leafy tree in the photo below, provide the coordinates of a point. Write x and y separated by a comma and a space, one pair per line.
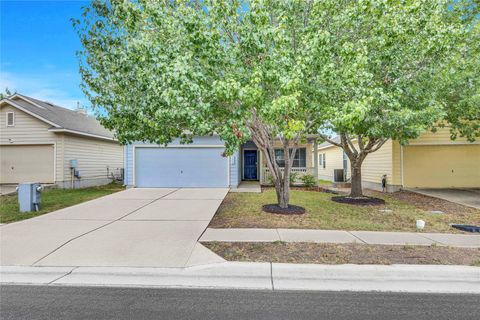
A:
157, 70
393, 69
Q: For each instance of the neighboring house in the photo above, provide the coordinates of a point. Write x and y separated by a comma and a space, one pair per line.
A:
202, 164
431, 161
38, 140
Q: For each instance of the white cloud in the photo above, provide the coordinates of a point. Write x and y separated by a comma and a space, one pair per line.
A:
45, 87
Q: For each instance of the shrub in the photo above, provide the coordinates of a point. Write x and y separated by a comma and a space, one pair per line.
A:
308, 180
293, 177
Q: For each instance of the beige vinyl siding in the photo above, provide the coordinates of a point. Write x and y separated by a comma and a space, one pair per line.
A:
374, 166
334, 160
441, 136
396, 163
27, 129
93, 156
377, 164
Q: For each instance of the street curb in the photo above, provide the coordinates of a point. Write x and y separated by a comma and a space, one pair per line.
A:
260, 276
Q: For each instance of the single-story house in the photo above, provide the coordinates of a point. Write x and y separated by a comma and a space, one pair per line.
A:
431, 161
202, 164
42, 142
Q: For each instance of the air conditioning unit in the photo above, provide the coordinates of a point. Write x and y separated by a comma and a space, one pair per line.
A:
339, 175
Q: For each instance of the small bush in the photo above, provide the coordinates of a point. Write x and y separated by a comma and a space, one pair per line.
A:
308, 180
293, 177
269, 179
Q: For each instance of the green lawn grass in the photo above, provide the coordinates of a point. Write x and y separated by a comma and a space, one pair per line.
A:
322, 182
243, 210
53, 199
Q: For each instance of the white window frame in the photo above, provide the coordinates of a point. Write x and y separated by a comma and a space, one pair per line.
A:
282, 157
13, 119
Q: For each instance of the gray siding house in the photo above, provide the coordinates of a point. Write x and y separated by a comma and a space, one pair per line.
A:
202, 164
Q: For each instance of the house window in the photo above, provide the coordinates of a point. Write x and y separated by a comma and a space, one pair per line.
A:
299, 161
324, 161
320, 160
10, 119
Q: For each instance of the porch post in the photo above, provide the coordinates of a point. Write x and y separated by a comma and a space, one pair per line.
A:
259, 166
315, 158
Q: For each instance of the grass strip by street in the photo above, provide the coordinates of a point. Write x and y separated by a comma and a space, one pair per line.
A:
401, 210
53, 199
328, 253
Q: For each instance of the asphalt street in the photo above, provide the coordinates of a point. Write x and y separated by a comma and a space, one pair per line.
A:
55, 302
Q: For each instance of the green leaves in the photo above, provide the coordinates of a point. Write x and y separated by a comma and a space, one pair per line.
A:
378, 68
382, 67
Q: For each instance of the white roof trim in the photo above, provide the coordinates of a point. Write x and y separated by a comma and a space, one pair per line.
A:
13, 104
17, 95
326, 147
81, 133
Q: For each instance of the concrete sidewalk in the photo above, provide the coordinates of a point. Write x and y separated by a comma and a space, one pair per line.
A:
261, 276
340, 236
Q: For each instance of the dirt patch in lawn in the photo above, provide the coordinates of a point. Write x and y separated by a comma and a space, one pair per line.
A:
327, 253
432, 204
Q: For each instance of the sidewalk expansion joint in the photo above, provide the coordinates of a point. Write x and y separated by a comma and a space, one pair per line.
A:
100, 227
278, 233
271, 276
62, 276
357, 237
434, 241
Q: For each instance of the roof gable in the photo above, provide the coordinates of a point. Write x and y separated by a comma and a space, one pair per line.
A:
61, 119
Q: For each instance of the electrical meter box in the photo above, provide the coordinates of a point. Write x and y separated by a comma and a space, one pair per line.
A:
29, 196
73, 164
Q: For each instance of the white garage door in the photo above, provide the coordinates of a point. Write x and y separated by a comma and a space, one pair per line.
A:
180, 167
29, 163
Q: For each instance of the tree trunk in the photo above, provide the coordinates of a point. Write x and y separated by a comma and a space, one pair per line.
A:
280, 181
264, 140
356, 189
283, 195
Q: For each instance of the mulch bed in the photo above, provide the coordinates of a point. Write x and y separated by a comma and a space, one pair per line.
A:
363, 201
291, 210
328, 253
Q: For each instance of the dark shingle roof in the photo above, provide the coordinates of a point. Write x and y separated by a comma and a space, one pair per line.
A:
62, 118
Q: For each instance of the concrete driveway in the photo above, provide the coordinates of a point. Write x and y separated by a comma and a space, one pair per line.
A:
132, 228
466, 197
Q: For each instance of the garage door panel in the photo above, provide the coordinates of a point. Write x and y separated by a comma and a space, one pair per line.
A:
180, 167
442, 166
29, 163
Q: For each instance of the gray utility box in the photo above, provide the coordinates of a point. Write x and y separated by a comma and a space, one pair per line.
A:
29, 196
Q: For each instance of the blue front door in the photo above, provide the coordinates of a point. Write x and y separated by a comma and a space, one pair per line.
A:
250, 164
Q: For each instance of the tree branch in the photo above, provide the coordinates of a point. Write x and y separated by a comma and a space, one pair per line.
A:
327, 138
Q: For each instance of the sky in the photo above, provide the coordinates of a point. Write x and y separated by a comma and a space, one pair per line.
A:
38, 50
